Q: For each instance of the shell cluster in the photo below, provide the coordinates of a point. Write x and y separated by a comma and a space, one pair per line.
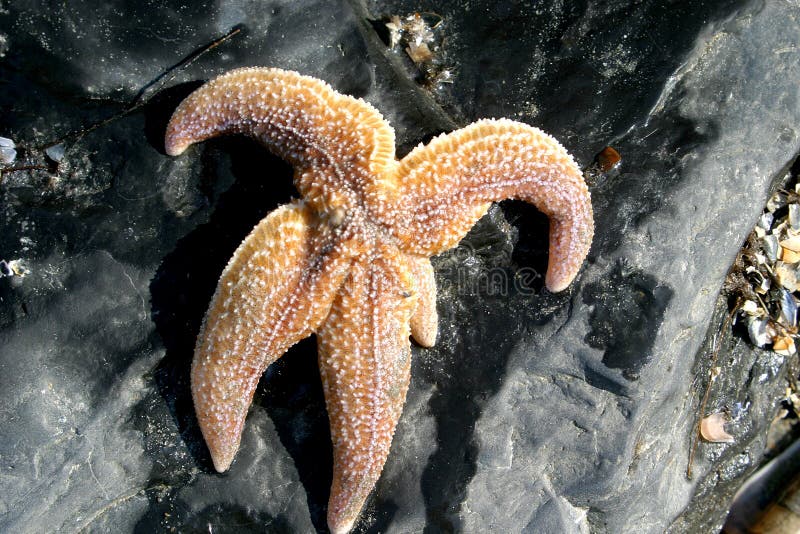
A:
765, 277
420, 35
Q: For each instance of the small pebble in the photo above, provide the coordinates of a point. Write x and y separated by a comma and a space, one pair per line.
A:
608, 159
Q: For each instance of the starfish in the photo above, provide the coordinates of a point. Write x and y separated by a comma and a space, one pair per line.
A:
350, 260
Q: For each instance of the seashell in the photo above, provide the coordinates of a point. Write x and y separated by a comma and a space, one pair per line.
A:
757, 329
784, 345
712, 428
764, 286
7, 154
419, 53
765, 221
771, 247
395, 27
788, 309
786, 276
776, 202
794, 216
751, 308
789, 256
55, 152
793, 244
608, 159
763, 283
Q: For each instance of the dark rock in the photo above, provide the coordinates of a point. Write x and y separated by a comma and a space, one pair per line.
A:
534, 411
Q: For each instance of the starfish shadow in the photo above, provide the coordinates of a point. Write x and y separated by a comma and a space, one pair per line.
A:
487, 329
291, 393
242, 193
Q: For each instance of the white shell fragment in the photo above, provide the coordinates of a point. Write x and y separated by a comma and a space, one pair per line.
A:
765, 221
794, 216
771, 247
757, 329
776, 202
712, 428
55, 152
751, 308
788, 309
7, 152
786, 276
7, 155
762, 283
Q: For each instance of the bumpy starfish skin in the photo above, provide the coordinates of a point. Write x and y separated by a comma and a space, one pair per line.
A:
351, 260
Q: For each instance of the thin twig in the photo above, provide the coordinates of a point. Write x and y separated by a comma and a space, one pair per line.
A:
169, 75
140, 99
24, 168
711, 379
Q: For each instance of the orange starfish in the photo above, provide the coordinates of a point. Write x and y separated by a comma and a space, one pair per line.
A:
350, 261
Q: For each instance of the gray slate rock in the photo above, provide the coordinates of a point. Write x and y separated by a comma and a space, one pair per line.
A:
534, 412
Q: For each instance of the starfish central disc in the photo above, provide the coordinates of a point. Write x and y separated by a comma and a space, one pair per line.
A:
351, 260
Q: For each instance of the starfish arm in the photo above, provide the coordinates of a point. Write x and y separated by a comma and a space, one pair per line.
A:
299, 118
274, 292
424, 322
364, 359
440, 190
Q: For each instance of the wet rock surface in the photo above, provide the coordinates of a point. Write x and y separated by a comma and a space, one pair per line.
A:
572, 412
